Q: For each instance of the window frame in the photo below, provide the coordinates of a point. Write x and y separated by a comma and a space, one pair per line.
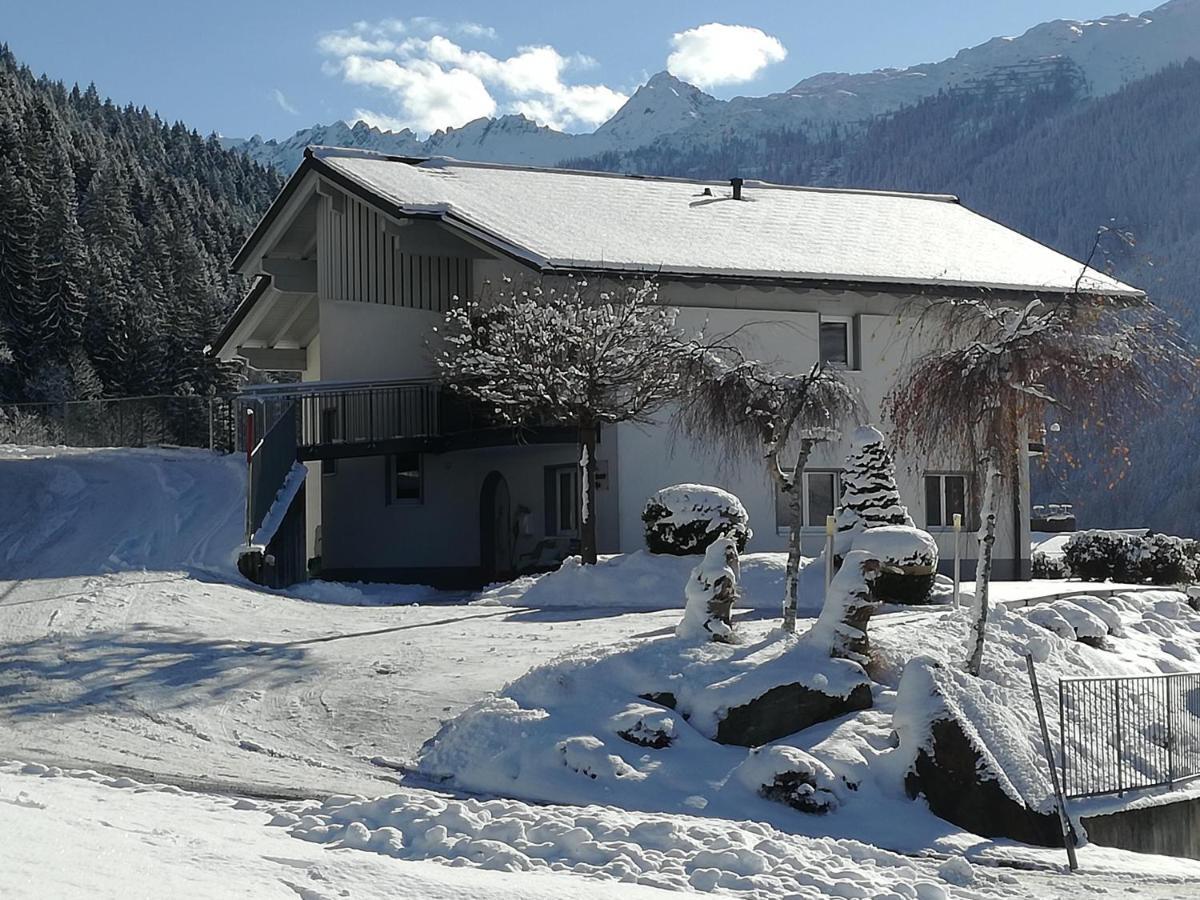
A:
554, 478
805, 491
946, 517
852, 361
393, 481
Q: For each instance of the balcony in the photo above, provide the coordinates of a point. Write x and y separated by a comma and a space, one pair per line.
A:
338, 420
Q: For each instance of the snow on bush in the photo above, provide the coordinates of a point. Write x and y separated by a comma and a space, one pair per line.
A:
1165, 559
686, 518
1104, 556
1087, 627
1049, 618
908, 557
791, 776
710, 593
1046, 566
1103, 610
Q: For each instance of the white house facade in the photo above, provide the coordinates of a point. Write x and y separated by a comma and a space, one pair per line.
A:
361, 255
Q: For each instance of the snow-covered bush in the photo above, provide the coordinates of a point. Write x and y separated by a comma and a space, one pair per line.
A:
791, 776
1166, 559
908, 558
1104, 556
686, 518
870, 497
1046, 566
710, 593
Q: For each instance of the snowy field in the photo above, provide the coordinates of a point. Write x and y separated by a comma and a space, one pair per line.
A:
129, 646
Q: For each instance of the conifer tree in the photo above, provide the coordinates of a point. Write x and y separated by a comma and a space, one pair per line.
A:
869, 494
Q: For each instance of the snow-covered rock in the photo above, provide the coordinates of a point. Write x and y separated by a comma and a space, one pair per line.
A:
792, 776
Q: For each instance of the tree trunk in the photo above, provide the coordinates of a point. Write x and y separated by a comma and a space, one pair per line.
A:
983, 576
587, 491
795, 493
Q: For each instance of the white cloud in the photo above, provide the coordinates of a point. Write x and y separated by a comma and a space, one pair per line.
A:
435, 82
278, 96
715, 54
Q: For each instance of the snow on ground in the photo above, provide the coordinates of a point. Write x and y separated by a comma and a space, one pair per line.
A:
129, 644
83, 835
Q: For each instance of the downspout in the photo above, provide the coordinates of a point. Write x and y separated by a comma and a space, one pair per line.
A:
1018, 531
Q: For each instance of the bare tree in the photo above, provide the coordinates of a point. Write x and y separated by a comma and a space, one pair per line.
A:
745, 408
997, 369
579, 352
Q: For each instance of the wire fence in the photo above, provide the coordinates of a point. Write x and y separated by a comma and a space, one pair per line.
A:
1121, 734
153, 421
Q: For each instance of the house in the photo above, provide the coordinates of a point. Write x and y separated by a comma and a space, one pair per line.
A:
361, 254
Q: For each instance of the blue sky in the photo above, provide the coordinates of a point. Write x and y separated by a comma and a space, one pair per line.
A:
271, 68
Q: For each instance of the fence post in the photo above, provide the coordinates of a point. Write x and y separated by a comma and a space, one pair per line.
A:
957, 556
830, 527
1068, 828
1116, 686
1170, 737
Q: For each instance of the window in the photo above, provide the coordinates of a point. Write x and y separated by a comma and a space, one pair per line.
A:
562, 499
404, 474
945, 495
329, 434
821, 491
837, 342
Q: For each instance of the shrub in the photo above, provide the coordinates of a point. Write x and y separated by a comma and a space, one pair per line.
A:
685, 518
909, 558
1049, 566
1104, 556
1166, 559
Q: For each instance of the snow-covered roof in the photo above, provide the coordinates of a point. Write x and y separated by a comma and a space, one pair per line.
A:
560, 219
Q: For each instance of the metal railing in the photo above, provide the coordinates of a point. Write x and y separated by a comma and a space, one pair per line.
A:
270, 463
149, 421
1122, 734
370, 413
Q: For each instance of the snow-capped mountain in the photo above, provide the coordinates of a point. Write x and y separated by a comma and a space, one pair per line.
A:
1102, 54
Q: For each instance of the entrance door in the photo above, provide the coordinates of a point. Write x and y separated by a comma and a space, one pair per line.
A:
495, 528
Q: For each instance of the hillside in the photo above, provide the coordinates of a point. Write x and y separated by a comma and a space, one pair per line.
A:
115, 233
1101, 55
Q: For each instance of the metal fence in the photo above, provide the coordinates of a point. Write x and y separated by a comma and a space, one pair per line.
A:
1121, 734
151, 421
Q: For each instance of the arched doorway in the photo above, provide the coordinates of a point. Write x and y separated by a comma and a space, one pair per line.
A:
495, 528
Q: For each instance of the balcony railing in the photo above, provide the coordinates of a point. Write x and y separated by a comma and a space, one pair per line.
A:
363, 419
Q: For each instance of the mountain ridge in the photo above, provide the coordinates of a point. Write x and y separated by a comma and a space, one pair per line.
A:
1104, 54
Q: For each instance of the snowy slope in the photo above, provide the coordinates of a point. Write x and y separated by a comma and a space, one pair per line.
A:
72, 512
1105, 53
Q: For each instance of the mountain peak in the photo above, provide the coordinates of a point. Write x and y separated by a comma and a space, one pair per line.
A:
660, 106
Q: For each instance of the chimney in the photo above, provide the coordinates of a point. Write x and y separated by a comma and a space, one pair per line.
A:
737, 188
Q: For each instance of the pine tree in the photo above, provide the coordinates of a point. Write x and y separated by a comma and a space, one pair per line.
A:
62, 265
869, 494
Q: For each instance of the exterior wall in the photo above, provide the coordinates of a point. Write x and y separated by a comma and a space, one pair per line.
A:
363, 532
781, 328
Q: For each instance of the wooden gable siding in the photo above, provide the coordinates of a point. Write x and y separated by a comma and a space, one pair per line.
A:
357, 260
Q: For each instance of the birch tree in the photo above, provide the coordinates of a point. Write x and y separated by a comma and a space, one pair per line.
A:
744, 408
572, 352
997, 370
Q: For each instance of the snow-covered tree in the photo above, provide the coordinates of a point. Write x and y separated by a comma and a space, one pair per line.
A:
842, 625
711, 591
577, 352
997, 371
869, 494
743, 408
